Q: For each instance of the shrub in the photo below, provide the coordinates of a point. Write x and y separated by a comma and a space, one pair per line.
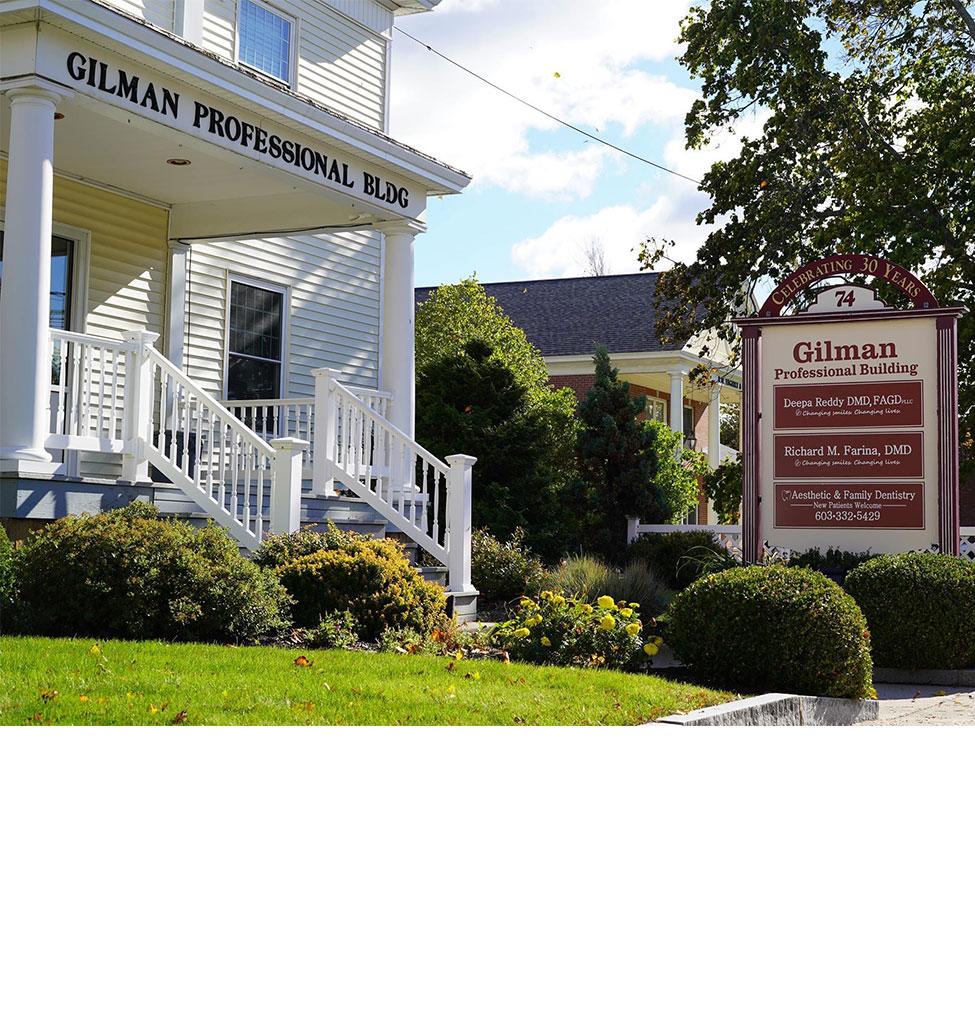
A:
281, 548
834, 560
369, 578
573, 632
6, 572
587, 578
502, 571
681, 557
129, 574
920, 609
677, 469
336, 631
773, 628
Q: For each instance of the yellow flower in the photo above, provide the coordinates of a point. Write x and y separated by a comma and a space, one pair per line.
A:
626, 612
635, 606
658, 640
650, 649
632, 629
522, 633
546, 594
558, 599
524, 602
608, 622
587, 608
606, 602
546, 641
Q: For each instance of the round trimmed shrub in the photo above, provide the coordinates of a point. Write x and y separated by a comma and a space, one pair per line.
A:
772, 628
129, 574
920, 609
371, 579
681, 557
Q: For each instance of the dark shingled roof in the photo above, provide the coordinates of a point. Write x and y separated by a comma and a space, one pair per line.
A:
571, 315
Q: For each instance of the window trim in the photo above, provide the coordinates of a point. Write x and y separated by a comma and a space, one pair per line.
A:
281, 289
292, 82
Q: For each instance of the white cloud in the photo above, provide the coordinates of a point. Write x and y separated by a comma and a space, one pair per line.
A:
579, 61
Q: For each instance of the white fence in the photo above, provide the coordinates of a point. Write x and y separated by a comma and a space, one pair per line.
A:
730, 536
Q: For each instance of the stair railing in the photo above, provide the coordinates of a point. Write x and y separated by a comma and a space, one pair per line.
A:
423, 497
248, 485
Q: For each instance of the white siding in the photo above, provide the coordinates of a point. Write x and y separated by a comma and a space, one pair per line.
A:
157, 12
366, 12
334, 304
219, 27
341, 63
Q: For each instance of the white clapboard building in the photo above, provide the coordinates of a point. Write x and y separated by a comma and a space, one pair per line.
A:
206, 294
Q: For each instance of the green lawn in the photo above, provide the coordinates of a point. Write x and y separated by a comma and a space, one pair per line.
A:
76, 682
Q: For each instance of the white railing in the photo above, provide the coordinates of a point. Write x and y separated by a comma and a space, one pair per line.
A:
425, 498
294, 417
730, 536
88, 387
121, 395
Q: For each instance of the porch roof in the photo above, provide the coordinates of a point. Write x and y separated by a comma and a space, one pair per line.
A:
233, 185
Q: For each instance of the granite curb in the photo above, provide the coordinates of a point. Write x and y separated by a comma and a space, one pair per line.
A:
780, 710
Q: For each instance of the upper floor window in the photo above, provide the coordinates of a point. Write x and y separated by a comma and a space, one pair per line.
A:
265, 39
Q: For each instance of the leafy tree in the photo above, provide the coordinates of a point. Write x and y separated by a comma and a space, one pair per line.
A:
461, 316
677, 470
470, 401
730, 424
868, 147
617, 461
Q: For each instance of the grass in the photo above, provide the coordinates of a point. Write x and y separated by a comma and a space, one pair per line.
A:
79, 682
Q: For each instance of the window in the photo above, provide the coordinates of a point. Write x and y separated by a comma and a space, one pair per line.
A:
256, 342
656, 410
264, 40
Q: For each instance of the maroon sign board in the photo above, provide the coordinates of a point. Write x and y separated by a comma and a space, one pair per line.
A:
849, 414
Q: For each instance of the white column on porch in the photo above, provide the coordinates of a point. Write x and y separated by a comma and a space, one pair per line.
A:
25, 302
714, 438
188, 20
399, 308
677, 401
176, 303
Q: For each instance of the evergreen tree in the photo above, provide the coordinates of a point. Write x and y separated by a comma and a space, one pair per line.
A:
617, 462
469, 400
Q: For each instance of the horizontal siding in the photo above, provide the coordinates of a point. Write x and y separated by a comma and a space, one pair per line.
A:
219, 27
334, 292
366, 12
341, 63
157, 12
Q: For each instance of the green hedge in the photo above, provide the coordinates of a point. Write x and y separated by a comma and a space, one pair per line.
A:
772, 628
6, 572
129, 574
920, 609
681, 557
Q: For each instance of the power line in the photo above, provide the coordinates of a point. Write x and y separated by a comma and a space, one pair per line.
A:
548, 115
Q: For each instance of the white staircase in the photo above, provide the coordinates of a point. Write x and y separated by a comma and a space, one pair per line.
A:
120, 395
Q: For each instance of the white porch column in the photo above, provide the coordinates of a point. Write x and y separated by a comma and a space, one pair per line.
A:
398, 357
677, 402
176, 303
25, 303
714, 438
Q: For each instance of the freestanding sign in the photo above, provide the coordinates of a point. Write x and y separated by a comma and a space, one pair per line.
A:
850, 416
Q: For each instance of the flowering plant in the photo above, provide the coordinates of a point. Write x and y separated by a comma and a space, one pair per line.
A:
571, 632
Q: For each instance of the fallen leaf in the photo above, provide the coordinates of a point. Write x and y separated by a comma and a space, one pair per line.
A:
180, 717
303, 661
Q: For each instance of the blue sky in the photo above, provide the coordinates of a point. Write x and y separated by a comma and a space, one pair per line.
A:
542, 192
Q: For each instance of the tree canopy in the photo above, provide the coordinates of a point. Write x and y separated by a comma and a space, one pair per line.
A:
867, 145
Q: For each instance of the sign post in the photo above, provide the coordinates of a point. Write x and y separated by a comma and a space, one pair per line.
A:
850, 416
